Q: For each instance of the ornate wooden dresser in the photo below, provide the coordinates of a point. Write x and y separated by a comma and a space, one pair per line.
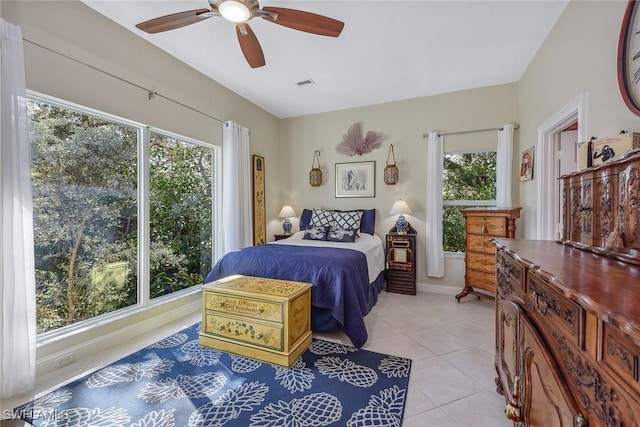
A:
568, 312
568, 325
481, 225
265, 319
601, 208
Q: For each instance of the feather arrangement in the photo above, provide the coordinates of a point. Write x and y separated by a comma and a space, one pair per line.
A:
353, 142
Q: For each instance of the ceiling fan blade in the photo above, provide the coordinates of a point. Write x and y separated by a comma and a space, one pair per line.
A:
305, 21
175, 20
250, 45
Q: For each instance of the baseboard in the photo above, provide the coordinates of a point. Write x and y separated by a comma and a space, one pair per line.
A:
438, 289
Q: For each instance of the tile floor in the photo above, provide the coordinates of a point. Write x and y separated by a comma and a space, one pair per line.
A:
452, 348
451, 345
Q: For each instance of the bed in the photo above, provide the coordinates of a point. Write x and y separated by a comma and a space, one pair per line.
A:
346, 275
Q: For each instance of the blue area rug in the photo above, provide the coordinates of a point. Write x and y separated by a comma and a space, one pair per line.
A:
176, 382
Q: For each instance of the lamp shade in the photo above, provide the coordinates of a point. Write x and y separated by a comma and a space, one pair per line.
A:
400, 207
286, 212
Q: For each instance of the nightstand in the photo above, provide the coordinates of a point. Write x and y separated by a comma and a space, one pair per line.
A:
282, 236
401, 263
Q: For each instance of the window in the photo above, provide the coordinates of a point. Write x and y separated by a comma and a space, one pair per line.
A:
181, 198
89, 213
469, 180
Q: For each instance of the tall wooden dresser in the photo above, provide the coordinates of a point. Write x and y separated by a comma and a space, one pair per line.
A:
481, 225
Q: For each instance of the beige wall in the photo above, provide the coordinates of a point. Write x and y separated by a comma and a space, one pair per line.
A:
579, 56
404, 123
73, 29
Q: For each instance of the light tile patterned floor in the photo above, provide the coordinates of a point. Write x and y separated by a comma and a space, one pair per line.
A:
451, 345
452, 348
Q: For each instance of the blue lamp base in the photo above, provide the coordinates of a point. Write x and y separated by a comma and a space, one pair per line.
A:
286, 226
402, 225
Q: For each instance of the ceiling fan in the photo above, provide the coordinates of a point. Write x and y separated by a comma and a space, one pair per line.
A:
240, 12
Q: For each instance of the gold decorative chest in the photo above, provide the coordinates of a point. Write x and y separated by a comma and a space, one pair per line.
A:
265, 319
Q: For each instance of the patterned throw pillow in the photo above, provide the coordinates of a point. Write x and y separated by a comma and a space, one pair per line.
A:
315, 233
321, 217
337, 234
348, 220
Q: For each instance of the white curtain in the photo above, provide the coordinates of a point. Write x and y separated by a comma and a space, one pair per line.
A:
16, 258
504, 166
237, 221
435, 251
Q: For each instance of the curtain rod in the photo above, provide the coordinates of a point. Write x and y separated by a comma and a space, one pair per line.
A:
470, 131
152, 93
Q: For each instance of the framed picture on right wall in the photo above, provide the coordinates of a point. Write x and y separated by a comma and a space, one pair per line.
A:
526, 165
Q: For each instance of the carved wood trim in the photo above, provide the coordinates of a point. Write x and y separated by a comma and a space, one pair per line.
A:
632, 205
626, 359
597, 395
544, 301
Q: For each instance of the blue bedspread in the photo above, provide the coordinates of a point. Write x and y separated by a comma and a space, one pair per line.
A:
339, 278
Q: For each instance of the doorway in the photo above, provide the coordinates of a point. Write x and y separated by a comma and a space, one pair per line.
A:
566, 150
548, 146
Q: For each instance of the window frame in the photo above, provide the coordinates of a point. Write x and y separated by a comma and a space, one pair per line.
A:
463, 202
144, 302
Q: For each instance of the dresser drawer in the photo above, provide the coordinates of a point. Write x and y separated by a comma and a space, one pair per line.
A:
267, 335
480, 243
244, 306
510, 275
480, 262
490, 225
481, 280
556, 312
620, 354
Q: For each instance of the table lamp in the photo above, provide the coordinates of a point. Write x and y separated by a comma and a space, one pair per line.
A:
286, 212
401, 207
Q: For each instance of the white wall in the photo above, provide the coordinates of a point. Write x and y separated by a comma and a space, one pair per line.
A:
404, 123
579, 55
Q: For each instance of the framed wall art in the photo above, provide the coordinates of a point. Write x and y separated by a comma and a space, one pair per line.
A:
259, 209
356, 179
526, 165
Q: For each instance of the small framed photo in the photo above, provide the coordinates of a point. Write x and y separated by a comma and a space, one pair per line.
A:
357, 179
526, 165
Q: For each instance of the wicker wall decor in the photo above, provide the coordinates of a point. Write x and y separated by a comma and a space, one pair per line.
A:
315, 176
391, 170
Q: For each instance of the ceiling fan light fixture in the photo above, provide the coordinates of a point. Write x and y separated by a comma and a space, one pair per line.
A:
234, 11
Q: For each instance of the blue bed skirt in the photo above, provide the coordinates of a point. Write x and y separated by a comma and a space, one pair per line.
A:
322, 320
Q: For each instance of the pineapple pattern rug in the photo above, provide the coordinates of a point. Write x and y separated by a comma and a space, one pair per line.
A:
177, 382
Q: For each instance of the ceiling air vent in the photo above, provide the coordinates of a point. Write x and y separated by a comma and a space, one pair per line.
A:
304, 83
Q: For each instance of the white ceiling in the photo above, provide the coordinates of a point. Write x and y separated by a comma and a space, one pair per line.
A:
389, 50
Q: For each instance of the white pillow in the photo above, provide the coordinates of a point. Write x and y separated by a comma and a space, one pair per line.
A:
348, 220
322, 218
